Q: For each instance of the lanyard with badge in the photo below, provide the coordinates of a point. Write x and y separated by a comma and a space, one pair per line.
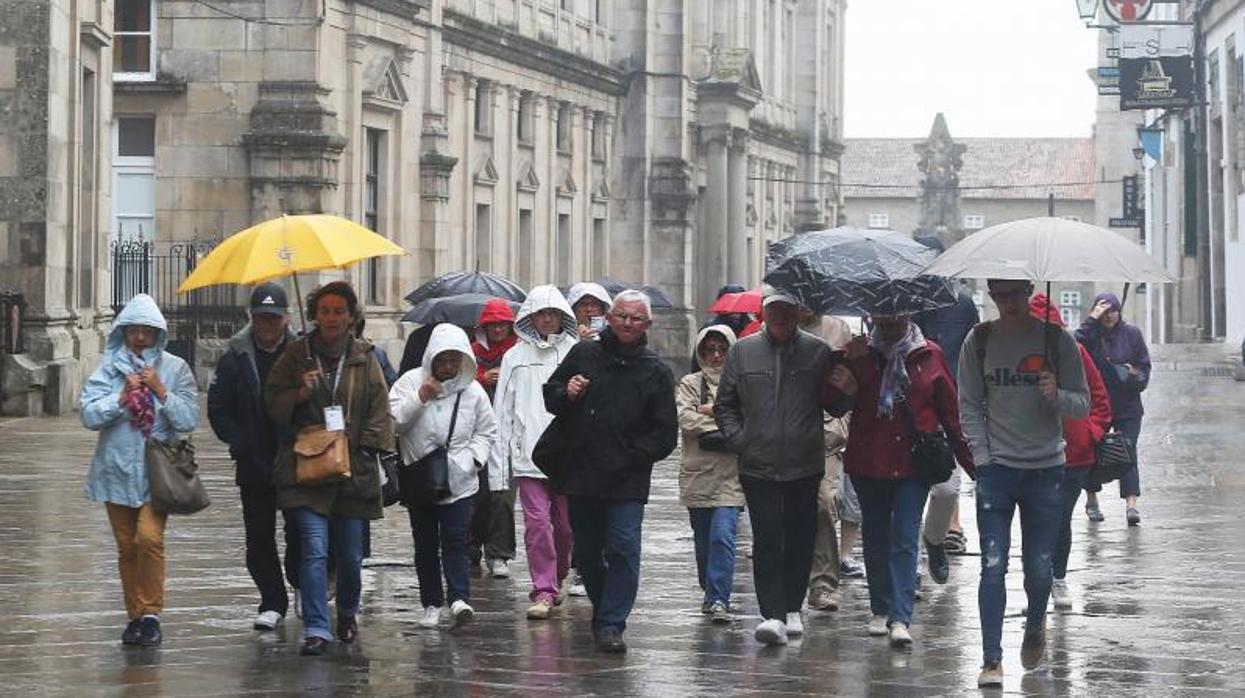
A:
334, 418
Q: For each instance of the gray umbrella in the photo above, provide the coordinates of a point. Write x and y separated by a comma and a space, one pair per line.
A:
849, 271
459, 282
463, 310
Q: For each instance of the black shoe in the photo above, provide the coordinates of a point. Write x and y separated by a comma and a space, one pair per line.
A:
130, 635
610, 640
939, 566
314, 647
1134, 516
347, 629
149, 634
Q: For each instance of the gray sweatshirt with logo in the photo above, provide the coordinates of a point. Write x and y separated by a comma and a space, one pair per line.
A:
1005, 417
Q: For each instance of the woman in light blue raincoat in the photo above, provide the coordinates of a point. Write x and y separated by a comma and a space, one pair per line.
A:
138, 392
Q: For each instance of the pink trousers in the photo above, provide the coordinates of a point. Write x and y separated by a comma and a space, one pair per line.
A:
546, 535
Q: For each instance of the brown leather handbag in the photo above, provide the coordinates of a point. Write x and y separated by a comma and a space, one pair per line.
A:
323, 456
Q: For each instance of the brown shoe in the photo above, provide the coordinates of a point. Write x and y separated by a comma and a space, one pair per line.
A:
347, 629
991, 676
1033, 649
824, 599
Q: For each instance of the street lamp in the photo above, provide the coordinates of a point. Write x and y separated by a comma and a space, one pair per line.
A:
1139, 153
1088, 9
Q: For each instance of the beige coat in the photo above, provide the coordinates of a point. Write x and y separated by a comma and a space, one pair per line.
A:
706, 478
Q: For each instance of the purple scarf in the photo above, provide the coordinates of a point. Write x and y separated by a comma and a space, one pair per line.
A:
895, 379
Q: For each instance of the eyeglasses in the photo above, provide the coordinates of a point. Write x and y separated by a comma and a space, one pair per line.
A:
629, 319
711, 349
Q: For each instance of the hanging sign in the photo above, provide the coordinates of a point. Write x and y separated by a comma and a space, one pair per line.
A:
1123, 11
1156, 67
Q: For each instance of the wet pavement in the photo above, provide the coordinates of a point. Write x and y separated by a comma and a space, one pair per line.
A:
1158, 608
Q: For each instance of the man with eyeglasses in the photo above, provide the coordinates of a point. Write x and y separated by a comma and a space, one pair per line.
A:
1018, 377
614, 402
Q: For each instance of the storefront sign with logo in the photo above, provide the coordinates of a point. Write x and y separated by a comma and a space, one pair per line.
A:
1128, 10
1156, 67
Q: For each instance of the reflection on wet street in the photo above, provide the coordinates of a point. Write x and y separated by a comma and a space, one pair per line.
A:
1158, 609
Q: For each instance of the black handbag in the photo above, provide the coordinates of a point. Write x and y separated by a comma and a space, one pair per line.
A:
389, 463
427, 480
549, 454
931, 455
714, 441
1115, 455
173, 477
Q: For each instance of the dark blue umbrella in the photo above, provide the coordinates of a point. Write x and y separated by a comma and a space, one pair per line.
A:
460, 282
849, 271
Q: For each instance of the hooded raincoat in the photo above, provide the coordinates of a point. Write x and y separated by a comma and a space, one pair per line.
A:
118, 472
488, 356
1080, 435
424, 427
1112, 349
519, 401
706, 478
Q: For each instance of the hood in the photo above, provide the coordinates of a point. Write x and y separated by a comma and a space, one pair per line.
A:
723, 330
496, 310
1111, 299
587, 288
1039, 310
538, 299
446, 337
141, 310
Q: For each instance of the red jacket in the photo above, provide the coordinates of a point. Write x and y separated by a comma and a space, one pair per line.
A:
878, 447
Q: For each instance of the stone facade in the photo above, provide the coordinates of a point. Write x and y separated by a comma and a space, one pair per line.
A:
655, 141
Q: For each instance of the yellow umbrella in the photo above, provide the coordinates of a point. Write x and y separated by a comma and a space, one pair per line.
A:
285, 246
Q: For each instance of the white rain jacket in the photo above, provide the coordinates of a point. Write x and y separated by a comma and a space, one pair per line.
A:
423, 427
519, 400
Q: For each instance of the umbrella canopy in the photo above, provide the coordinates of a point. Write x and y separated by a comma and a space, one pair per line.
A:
656, 296
1049, 249
744, 302
849, 271
463, 310
458, 283
285, 246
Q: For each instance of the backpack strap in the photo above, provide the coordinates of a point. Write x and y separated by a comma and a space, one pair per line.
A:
981, 337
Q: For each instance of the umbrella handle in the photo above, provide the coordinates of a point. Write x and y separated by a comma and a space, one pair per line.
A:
298, 300
1046, 332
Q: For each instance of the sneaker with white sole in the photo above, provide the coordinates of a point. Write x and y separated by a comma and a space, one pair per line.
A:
461, 613
540, 609
719, 612
431, 617
877, 626
795, 624
498, 569
1060, 596
575, 584
771, 632
267, 620
991, 675
899, 635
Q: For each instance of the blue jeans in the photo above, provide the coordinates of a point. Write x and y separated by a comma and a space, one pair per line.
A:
890, 526
440, 535
607, 550
1073, 480
347, 534
1038, 494
714, 530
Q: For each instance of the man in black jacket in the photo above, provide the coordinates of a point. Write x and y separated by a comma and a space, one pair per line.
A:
237, 414
614, 400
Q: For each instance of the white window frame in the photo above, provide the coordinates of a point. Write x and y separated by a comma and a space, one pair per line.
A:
1071, 318
974, 221
1070, 299
879, 221
118, 35
131, 165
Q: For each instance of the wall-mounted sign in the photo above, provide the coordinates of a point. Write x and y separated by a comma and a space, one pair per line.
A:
1128, 10
1156, 67
1130, 192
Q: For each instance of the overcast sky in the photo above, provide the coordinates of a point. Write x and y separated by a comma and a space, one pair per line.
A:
994, 67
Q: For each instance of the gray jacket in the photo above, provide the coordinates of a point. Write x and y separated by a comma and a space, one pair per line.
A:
769, 406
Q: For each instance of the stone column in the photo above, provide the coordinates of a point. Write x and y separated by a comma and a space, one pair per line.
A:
737, 209
713, 240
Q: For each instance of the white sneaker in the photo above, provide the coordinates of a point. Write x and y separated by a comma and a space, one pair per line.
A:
795, 624
877, 626
461, 612
771, 632
1060, 596
267, 620
575, 584
498, 569
432, 617
298, 604
900, 637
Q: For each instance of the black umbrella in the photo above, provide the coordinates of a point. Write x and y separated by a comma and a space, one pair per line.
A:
463, 310
459, 282
658, 297
848, 271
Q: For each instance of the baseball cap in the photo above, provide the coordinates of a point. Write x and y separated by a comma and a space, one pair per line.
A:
269, 298
774, 295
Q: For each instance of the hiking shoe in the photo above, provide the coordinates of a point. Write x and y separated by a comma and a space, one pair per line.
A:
719, 612
149, 634
1094, 512
824, 599
576, 586
267, 620
1133, 516
1060, 596
540, 609
851, 569
498, 569
899, 636
610, 641
129, 636
461, 613
939, 565
877, 626
314, 647
347, 628
795, 624
771, 632
955, 543
991, 675
431, 617
1033, 649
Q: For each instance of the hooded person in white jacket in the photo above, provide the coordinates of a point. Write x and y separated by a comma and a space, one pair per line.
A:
425, 402
547, 331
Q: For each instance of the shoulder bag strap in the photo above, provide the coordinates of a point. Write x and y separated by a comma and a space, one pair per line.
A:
453, 420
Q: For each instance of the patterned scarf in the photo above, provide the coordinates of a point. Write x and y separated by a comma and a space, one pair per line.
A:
895, 379
138, 403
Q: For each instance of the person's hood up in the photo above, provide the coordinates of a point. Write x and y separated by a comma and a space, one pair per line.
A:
582, 289
1111, 299
446, 337
141, 310
1039, 308
726, 332
730, 288
496, 310
538, 299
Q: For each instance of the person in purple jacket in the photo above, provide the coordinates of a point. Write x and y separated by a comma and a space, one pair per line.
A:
1120, 353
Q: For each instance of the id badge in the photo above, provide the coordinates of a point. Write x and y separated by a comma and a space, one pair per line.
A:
334, 419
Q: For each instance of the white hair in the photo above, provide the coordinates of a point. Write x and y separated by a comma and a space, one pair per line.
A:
633, 296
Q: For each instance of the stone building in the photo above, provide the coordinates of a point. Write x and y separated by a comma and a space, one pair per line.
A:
654, 141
